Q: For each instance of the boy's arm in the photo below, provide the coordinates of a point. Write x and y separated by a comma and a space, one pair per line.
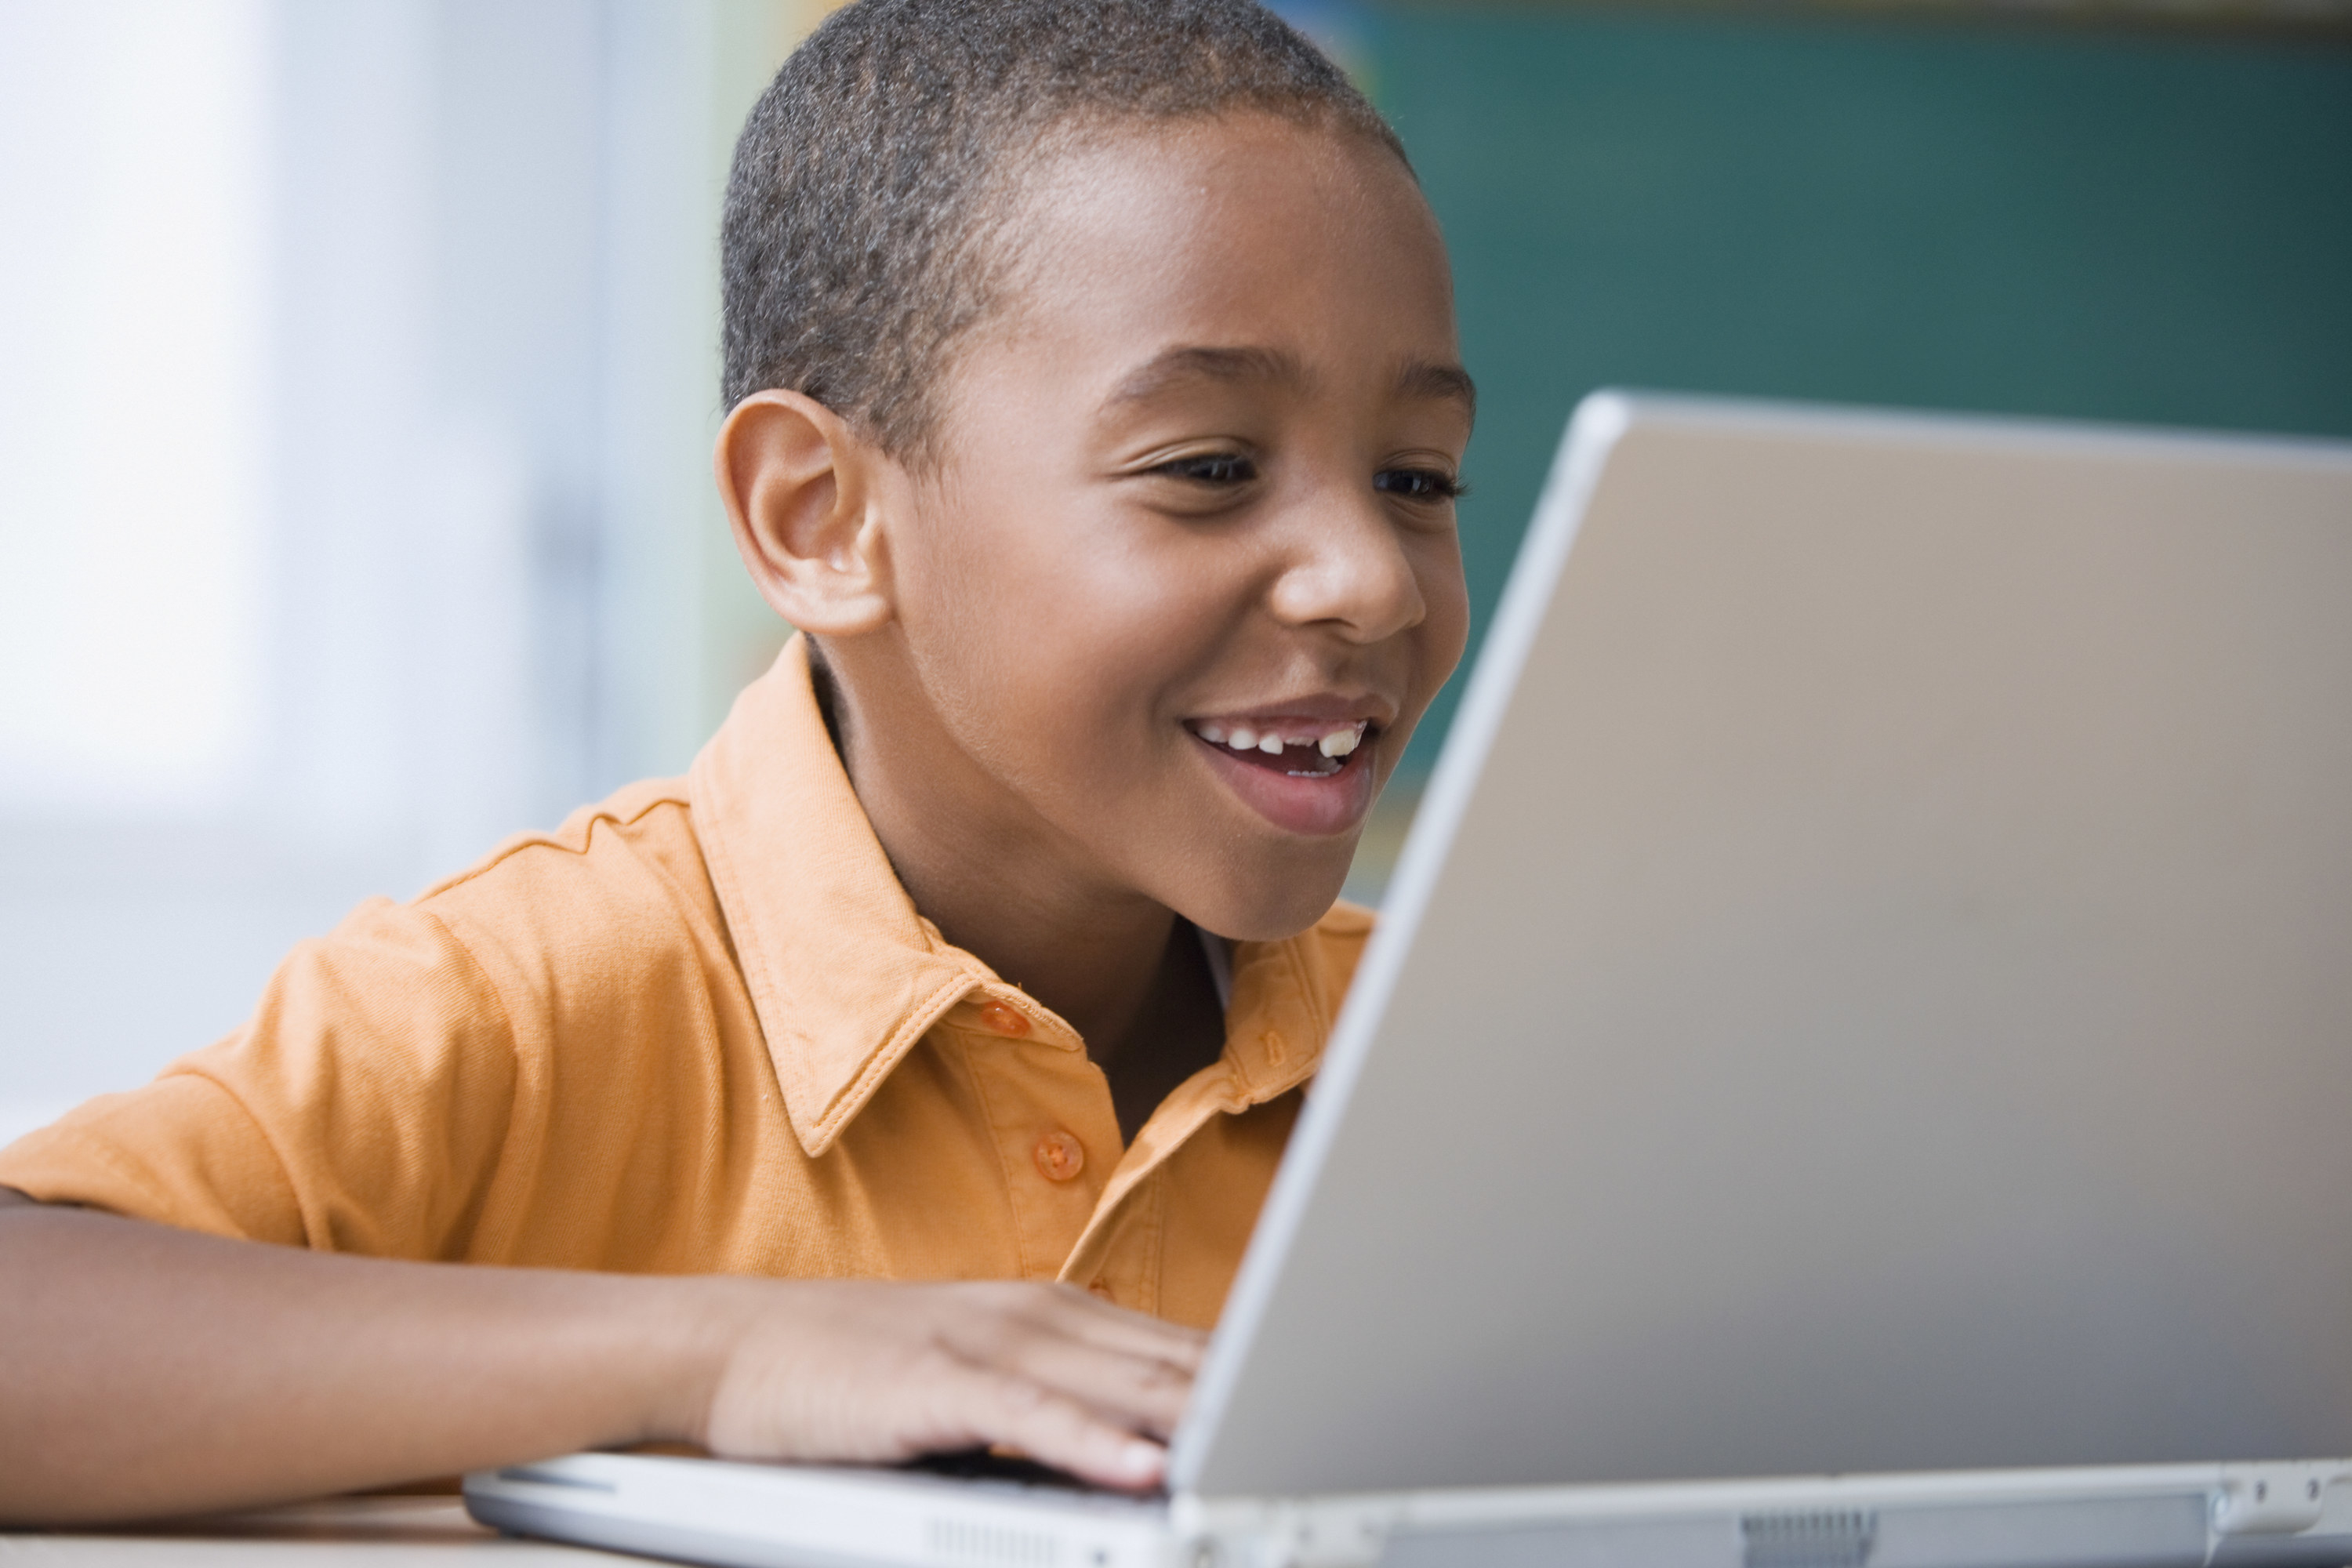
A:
147, 1371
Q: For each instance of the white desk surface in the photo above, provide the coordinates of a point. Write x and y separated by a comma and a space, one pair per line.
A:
342, 1533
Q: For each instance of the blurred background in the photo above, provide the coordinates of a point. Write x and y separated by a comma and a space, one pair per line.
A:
358, 374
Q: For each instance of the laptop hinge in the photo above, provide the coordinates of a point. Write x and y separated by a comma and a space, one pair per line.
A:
2271, 1500
1338, 1532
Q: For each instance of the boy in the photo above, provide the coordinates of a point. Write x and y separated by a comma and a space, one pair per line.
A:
1095, 419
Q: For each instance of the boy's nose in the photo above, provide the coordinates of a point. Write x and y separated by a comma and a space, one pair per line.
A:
1348, 569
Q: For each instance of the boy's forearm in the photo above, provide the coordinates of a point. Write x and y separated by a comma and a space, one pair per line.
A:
145, 1371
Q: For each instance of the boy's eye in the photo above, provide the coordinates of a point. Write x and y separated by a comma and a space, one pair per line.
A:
1210, 468
1419, 484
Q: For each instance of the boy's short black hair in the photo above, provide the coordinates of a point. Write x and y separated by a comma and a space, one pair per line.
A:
860, 238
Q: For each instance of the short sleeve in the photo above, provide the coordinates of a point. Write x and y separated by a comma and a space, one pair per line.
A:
362, 1109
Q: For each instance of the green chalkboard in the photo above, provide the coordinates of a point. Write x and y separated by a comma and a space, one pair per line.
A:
2145, 225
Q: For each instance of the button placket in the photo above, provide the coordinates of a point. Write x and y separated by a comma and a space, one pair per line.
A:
1054, 1128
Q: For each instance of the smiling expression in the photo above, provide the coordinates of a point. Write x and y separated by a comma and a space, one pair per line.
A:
1184, 573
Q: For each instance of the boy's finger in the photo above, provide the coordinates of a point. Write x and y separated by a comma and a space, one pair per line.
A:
995, 1407
1140, 1391
1073, 1311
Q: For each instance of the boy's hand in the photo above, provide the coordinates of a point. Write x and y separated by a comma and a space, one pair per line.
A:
878, 1373
148, 1371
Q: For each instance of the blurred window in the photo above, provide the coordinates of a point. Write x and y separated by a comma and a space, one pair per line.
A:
131, 174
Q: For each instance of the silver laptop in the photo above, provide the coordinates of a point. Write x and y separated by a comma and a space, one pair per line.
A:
1855, 1070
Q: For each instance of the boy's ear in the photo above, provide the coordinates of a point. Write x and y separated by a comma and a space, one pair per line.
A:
800, 488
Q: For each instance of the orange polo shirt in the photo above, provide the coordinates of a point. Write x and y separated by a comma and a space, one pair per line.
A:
700, 1028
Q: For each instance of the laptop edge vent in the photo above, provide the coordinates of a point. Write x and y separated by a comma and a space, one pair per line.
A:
961, 1540
1828, 1538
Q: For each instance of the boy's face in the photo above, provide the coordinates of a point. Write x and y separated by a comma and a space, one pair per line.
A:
1193, 488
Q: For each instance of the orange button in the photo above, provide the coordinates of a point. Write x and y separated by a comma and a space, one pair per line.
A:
1060, 1156
1005, 1018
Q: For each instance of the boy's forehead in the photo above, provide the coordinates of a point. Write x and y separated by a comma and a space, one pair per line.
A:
1246, 249
1144, 181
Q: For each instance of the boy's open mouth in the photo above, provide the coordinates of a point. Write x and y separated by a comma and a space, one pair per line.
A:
1296, 748
1308, 773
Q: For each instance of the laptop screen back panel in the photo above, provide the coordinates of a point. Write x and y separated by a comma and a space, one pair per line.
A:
1871, 987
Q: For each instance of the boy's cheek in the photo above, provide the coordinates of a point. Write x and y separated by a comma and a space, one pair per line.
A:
1448, 623
1440, 641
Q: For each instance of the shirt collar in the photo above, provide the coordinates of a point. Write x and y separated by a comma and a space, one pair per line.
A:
846, 976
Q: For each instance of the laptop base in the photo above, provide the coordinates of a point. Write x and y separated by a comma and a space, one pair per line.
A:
2289, 1515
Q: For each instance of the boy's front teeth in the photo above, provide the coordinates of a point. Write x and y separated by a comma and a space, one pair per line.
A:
1242, 738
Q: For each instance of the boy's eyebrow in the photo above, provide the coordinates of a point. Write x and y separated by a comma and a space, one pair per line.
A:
1433, 380
1440, 381
1205, 363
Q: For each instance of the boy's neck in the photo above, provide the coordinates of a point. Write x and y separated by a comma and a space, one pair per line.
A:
1121, 969
1132, 979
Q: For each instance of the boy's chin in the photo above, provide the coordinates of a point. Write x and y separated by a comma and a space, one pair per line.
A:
1268, 907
